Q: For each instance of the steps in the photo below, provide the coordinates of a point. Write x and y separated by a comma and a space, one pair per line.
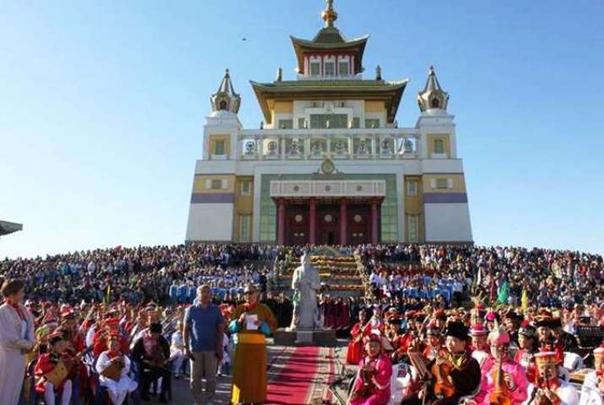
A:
340, 274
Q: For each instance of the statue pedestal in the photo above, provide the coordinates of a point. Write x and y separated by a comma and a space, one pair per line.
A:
319, 337
304, 337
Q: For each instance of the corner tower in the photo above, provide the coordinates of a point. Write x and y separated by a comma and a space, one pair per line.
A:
213, 196
445, 199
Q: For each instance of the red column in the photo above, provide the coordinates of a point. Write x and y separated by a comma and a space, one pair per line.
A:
374, 222
281, 222
343, 222
312, 218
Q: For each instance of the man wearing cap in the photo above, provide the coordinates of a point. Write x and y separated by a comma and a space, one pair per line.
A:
203, 338
592, 391
372, 384
514, 377
464, 375
549, 388
46, 364
252, 322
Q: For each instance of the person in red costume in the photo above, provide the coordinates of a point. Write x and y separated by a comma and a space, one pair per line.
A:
372, 384
525, 356
100, 337
435, 342
46, 364
360, 330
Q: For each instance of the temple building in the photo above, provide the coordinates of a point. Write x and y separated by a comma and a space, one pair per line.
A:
329, 164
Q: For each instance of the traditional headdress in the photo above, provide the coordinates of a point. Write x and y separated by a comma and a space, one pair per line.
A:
478, 329
499, 337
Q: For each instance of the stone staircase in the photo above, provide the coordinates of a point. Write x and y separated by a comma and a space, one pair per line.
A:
341, 275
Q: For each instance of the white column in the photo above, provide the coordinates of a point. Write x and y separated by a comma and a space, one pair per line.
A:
374, 151
283, 141
306, 147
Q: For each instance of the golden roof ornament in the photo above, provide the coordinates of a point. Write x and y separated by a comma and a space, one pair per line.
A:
329, 15
433, 96
225, 99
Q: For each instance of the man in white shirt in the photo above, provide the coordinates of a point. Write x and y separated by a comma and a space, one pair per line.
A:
592, 391
177, 350
549, 387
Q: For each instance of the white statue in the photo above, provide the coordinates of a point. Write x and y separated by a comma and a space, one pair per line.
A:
305, 283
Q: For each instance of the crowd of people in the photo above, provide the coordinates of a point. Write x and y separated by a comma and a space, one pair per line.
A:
487, 354
133, 312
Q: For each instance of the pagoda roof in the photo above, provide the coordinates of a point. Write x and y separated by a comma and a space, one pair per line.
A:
330, 39
380, 90
9, 227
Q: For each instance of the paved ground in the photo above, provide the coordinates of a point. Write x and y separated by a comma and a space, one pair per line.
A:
278, 356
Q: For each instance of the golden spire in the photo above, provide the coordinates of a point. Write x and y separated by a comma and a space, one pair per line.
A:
329, 15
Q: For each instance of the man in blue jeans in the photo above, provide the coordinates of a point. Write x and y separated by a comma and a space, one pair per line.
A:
203, 336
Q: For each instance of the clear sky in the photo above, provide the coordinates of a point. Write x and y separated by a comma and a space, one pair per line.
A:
102, 106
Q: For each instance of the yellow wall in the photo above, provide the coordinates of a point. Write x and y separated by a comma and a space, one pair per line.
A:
375, 107
199, 184
432, 137
227, 143
459, 183
414, 205
283, 107
244, 204
280, 107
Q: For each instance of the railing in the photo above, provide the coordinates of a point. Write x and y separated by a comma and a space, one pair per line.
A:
328, 188
308, 144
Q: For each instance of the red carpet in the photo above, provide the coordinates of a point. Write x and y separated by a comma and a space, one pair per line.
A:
294, 382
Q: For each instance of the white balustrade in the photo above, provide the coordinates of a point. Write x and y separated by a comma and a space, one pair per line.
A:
315, 144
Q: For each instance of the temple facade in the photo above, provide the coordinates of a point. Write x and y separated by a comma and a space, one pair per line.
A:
329, 164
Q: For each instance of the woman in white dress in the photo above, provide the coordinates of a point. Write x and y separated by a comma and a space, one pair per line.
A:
16, 339
116, 389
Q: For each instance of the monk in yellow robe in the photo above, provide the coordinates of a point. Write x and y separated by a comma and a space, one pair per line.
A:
252, 322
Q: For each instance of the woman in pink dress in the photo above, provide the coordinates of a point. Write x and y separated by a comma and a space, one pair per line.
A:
513, 377
372, 384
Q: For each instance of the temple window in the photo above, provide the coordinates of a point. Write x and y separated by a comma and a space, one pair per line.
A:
412, 188
223, 105
219, 147
286, 124
330, 69
442, 184
329, 121
439, 146
372, 123
435, 103
315, 68
216, 184
343, 68
246, 187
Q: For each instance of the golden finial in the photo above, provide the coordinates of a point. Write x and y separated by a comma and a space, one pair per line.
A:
329, 15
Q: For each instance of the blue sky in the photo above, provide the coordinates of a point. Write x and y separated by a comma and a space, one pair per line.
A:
102, 106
